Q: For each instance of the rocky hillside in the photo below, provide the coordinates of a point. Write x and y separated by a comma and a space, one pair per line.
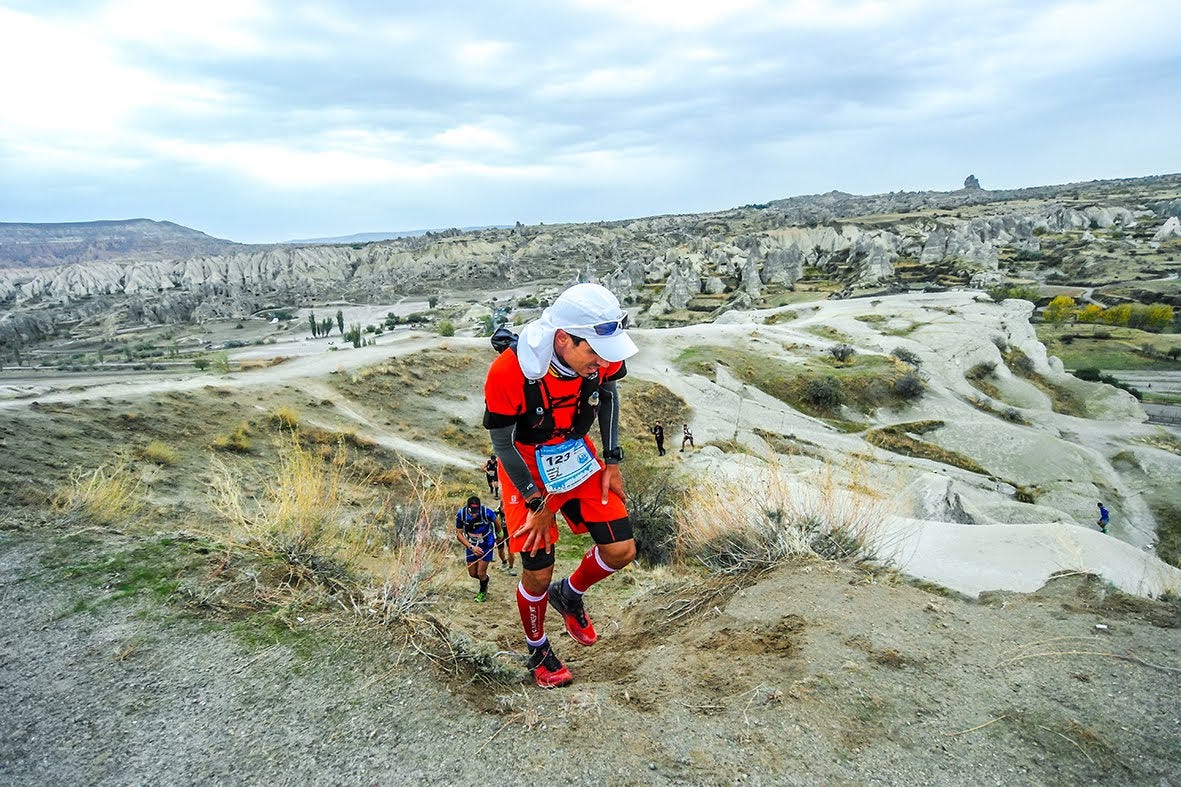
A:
679, 268
51, 245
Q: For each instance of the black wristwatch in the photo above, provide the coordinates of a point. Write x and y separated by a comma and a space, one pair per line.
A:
613, 456
535, 504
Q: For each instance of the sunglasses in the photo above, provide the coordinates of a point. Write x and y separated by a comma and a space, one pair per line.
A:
606, 328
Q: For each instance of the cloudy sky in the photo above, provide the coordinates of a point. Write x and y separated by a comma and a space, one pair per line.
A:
261, 120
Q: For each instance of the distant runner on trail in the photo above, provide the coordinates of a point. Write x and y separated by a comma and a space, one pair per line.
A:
491, 475
686, 436
542, 395
1104, 518
475, 529
658, 435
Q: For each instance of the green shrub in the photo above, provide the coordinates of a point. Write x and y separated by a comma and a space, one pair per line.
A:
446, 328
823, 392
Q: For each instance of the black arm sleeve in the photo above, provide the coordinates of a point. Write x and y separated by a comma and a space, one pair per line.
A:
511, 460
609, 416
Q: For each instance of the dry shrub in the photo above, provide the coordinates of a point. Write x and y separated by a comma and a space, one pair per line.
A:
103, 496
285, 417
736, 526
415, 552
377, 558
298, 517
237, 441
160, 452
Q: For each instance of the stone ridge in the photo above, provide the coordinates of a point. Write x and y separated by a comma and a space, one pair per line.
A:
729, 259
32, 245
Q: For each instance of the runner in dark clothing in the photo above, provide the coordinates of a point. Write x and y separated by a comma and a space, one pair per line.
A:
491, 475
658, 433
1104, 518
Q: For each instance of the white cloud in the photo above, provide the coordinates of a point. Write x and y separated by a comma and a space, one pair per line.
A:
219, 26
475, 138
64, 84
672, 14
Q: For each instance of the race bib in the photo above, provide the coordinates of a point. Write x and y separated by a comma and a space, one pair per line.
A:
565, 465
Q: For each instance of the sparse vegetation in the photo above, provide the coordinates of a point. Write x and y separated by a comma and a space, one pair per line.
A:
161, 453
237, 440
899, 439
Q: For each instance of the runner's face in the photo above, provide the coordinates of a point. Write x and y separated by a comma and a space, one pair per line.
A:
579, 357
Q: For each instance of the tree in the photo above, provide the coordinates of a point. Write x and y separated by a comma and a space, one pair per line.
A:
201, 362
446, 328
340, 321
1059, 310
354, 335
326, 326
1117, 315
433, 301
312, 323
1092, 312
1159, 316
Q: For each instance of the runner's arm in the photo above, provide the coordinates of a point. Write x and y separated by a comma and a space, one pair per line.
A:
512, 462
609, 416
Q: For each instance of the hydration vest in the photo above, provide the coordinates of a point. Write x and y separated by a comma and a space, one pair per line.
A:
536, 425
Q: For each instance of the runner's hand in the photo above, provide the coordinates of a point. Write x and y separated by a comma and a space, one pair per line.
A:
538, 530
477, 551
612, 479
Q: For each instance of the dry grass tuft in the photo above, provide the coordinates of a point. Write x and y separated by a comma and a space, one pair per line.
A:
104, 496
731, 527
285, 417
237, 441
161, 453
297, 517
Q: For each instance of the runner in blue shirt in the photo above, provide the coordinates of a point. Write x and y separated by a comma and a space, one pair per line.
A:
475, 528
1104, 518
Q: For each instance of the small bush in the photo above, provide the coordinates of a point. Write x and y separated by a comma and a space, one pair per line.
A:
907, 356
446, 328
842, 352
981, 370
909, 386
824, 393
160, 453
821, 519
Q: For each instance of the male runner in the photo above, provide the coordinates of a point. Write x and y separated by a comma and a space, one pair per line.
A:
542, 396
474, 528
492, 476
